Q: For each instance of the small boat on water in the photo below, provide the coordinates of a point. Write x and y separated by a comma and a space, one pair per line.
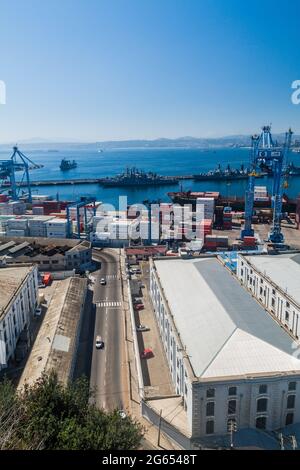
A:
67, 164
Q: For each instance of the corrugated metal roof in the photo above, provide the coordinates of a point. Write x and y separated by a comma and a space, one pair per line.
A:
224, 330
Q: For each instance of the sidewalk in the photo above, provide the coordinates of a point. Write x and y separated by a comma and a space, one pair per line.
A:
151, 432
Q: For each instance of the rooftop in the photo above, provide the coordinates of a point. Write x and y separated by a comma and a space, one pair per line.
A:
54, 346
10, 281
146, 250
283, 270
224, 330
33, 246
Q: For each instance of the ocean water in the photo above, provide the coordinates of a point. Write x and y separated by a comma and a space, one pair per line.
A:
93, 164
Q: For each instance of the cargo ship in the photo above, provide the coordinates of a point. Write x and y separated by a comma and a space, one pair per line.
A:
237, 203
229, 174
67, 164
133, 177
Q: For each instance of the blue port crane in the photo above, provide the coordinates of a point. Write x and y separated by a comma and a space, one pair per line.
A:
266, 153
85, 203
18, 162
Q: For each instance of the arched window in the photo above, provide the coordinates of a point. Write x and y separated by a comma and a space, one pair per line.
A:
262, 405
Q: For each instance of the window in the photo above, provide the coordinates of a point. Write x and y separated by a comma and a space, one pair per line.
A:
273, 302
261, 290
292, 386
273, 291
291, 401
210, 393
289, 419
263, 389
261, 422
287, 316
232, 391
210, 427
242, 272
232, 407
262, 405
287, 304
210, 408
261, 281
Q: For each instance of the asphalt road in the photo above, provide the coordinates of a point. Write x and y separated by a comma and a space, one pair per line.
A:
106, 373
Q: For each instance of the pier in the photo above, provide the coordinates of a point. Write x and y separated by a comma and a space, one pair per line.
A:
78, 181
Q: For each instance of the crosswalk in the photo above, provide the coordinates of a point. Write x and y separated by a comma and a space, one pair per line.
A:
111, 276
107, 303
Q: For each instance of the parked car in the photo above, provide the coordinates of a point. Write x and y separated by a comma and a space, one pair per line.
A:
139, 306
99, 343
102, 281
142, 328
38, 312
147, 353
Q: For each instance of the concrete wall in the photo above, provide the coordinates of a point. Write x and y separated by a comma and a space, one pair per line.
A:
174, 434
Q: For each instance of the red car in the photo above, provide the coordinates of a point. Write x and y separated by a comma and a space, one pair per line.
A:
139, 306
147, 353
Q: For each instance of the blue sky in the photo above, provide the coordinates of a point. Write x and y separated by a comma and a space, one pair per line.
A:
119, 69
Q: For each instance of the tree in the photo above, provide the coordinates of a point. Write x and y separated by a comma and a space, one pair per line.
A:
48, 415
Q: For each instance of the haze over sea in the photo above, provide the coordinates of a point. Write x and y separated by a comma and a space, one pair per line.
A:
92, 164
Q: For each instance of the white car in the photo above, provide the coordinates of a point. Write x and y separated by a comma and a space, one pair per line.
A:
142, 328
102, 281
99, 343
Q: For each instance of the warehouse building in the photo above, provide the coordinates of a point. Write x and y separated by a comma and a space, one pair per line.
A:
18, 301
49, 255
275, 282
227, 357
55, 347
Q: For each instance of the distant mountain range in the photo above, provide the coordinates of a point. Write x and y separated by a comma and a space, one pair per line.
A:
181, 142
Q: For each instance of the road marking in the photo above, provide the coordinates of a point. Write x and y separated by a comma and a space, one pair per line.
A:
108, 304
111, 276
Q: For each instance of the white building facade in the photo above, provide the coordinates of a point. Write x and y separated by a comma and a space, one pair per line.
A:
18, 301
275, 282
224, 364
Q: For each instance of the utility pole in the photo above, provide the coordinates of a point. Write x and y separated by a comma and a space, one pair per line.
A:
294, 442
159, 427
280, 436
232, 428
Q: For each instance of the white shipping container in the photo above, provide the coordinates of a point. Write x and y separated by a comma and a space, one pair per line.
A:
37, 210
16, 233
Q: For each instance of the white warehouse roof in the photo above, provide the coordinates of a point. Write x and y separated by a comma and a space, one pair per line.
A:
224, 330
283, 270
